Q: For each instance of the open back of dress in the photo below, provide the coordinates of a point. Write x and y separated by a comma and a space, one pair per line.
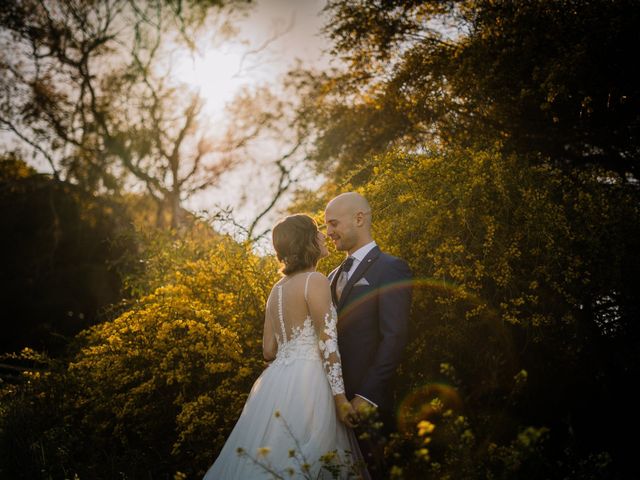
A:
287, 308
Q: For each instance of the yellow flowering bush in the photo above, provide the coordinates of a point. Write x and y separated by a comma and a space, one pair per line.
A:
511, 261
157, 388
178, 363
523, 277
522, 298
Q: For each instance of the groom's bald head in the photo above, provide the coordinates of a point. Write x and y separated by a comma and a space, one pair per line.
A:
348, 219
353, 203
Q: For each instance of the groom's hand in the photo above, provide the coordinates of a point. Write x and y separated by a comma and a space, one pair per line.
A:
363, 408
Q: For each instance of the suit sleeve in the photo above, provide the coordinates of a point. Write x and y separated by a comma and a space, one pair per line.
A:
394, 303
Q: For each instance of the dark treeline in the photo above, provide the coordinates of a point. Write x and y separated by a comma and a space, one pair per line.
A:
62, 250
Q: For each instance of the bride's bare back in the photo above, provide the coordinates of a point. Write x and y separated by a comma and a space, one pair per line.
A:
299, 304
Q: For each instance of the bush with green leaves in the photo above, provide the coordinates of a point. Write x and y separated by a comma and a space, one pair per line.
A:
157, 389
523, 291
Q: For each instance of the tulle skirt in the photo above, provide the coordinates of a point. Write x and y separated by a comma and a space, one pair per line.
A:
289, 424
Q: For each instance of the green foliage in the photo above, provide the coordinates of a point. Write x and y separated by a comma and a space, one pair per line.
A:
158, 371
513, 262
502, 232
12, 167
524, 310
39, 437
449, 449
157, 389
60, 251
547, 77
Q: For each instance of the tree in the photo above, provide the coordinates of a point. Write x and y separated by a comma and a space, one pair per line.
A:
552, 79
270, 137
87, 87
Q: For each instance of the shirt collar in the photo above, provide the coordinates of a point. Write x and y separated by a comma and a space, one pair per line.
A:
363, 251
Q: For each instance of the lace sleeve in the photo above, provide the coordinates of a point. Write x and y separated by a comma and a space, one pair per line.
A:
328, 341
325, 321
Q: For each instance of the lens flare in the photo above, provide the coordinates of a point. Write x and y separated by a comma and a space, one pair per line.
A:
415, 284
426, 403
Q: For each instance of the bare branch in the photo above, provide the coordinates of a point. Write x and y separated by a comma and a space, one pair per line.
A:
260, 48
284, 183
35, 145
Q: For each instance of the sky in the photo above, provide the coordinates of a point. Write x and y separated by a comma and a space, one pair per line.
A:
288, 31
291, 32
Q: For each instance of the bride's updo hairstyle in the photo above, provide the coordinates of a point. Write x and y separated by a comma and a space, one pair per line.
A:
295, 239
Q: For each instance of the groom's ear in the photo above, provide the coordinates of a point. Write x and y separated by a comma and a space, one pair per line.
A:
363, 219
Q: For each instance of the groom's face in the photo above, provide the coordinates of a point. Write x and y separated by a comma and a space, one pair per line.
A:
341, 228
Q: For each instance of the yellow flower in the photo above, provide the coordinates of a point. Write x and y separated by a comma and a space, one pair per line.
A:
521, 376
467, 436
425, 427
396, 472
263, 451
423, 454
327, 457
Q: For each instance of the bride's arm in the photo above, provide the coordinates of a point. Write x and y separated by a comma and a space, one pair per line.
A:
325, 319
269, 343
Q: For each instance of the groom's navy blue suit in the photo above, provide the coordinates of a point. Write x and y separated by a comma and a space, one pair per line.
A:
373, 318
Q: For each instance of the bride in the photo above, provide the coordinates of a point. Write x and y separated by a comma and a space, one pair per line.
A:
297, 421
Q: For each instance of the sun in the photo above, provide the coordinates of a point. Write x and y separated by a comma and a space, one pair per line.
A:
214, 73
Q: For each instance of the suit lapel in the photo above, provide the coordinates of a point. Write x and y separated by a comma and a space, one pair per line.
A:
363, 266
333, 279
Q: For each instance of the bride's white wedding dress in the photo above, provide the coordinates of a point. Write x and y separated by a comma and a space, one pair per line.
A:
289, 419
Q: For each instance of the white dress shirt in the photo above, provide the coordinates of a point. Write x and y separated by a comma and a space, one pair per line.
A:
359, 255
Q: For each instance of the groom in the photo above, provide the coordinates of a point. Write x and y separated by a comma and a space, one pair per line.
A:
372, 295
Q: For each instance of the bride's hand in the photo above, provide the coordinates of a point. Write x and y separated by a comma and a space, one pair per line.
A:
346, 413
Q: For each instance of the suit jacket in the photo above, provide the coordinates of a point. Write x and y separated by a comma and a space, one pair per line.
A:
373, 320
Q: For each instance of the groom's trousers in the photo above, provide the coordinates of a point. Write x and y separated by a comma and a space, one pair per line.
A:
372, 442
